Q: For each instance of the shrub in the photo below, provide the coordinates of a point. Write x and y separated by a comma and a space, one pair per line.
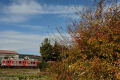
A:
95, 52
42, 65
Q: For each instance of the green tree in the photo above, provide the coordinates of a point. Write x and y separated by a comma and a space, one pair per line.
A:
49, 52
56, 51
46, 50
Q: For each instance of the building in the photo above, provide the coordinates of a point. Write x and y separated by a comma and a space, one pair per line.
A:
6, 54
28, 56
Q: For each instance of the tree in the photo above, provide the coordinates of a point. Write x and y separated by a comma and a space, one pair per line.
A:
46, 50
56, 51
50, 52
95, 52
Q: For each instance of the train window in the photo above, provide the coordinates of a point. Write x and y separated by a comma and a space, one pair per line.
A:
34, 63
20, 62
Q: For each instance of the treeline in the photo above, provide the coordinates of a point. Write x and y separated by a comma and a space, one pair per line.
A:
95, 50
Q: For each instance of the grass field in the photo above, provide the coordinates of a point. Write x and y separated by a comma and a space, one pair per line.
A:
24, 74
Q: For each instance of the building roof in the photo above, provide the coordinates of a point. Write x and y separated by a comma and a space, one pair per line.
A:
7, 51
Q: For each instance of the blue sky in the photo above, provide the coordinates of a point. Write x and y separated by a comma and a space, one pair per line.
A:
24, 23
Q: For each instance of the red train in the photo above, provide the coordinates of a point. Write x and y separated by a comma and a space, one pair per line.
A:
19, 63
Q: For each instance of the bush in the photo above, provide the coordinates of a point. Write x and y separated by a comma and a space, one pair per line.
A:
95, 52
42, 65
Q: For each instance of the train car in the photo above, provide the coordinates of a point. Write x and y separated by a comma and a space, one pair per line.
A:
19, 63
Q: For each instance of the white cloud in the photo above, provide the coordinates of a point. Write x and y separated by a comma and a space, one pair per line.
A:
21, 10
71, 16
23, 7
33, 27
12, 40
33, 7
14, 18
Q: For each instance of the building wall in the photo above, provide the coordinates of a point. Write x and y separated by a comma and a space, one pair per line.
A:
5, 55
29, 56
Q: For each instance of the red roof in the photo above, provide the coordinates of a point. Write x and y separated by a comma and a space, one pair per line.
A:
7, 51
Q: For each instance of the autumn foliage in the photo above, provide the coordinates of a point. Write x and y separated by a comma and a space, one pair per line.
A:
95, 50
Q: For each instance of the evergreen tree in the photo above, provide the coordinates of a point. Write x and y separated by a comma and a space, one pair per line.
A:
46, 50
56, 51
49, 52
